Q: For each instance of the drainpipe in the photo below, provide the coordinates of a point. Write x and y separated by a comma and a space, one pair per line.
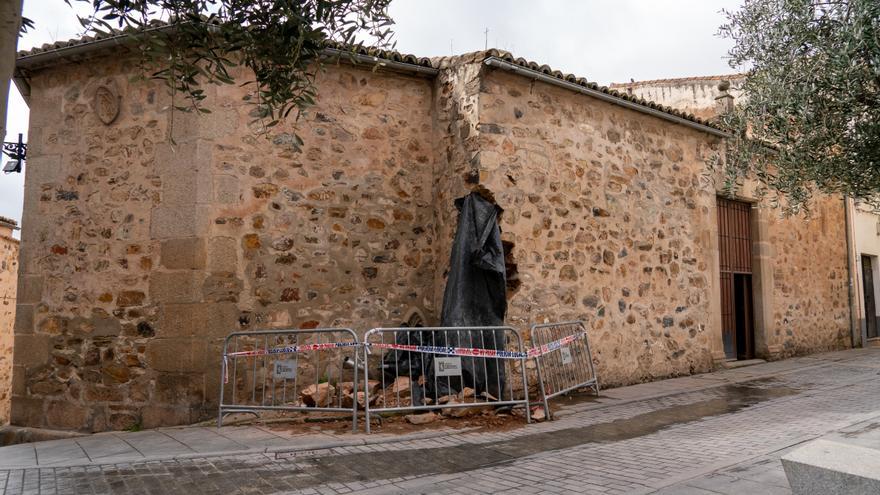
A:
855, 330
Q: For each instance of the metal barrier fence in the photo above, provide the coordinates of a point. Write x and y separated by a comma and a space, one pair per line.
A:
290, 370
428, 368
565, 362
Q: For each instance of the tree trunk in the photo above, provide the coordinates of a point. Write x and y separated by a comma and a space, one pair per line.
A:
10, 21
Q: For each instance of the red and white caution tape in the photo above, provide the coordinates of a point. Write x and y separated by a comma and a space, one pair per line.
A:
532, 352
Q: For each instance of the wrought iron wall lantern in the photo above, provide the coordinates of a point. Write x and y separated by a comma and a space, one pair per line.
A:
17, 152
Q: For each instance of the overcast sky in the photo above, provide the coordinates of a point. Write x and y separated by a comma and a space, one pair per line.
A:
602, 40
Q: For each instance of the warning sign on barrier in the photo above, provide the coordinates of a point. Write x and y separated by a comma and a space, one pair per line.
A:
566, 355
447, 366
285, 369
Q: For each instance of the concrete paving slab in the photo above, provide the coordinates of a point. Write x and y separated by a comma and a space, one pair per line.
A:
684, 490
20, 455
154, 443
106, 445
253, 437
203, 440
729, 485
60, 452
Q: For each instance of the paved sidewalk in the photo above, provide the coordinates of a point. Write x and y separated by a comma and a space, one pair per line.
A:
181, 443
204, 441
682, 436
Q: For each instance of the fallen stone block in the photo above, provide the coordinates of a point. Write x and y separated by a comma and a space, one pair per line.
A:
320, 395
401, 387
422, 419
538, 414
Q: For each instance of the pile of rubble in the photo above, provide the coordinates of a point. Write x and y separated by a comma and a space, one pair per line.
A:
465, 404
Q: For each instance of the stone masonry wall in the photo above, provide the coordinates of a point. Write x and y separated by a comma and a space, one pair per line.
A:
141, 254
146, 240
8, 285
84, 318
608, 221
800, 262
457, 146
810, 311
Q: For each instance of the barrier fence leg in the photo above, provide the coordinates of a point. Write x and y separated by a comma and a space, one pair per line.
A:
354, 407
222, 378
526, 389
366, 391
541, 387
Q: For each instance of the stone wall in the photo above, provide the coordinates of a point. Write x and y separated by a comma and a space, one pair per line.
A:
8, 285
141, 253
608, 222
457, 151
811, 310
800, 269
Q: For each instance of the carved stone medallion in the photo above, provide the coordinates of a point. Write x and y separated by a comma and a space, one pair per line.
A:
107, 104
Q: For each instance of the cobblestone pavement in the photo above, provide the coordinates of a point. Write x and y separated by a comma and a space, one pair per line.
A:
724, 439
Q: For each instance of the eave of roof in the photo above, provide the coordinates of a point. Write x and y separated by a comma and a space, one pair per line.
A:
50, 52
678, 80
604, 92
64, 51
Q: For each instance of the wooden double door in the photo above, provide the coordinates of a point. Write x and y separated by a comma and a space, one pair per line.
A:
735, 257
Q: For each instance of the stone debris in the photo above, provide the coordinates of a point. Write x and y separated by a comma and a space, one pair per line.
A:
320, 395
422, 419
348, 399
401, 387
538, 414
373, 386
488, 396
465, 412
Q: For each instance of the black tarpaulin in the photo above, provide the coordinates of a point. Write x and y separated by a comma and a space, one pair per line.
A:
475, 289
475, 296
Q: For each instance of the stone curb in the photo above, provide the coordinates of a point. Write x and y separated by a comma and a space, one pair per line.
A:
319, 446
14, 435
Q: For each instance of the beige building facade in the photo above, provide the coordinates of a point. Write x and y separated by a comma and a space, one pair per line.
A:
865, 233
141, 252
8, 286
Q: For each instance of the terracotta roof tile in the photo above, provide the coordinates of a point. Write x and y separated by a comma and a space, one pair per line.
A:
678, 80
391, 55
507, 57
439, 63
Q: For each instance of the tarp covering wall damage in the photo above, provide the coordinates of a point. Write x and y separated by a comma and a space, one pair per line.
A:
475, 288
475, 296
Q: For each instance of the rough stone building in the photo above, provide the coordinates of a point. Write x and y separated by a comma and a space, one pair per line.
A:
139, 255
8, 285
